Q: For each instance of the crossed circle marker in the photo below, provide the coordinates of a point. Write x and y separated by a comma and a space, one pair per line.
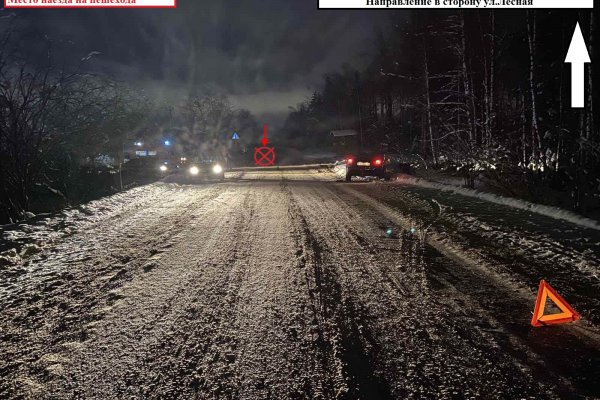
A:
264, 156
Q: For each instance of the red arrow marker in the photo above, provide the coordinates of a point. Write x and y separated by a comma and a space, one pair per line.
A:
264, 139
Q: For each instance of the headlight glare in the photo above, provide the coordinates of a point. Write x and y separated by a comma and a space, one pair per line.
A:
217, 169
194, 170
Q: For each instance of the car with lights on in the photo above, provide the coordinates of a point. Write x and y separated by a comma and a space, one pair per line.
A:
366, 165
206, 168
165, 168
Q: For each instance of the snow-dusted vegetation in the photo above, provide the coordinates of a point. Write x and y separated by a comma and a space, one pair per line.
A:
482, 93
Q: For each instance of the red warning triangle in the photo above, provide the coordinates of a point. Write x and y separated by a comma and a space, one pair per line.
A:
567, 314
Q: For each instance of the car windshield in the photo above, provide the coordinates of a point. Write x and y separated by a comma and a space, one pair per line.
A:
205, 158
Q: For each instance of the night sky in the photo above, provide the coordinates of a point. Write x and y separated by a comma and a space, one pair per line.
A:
267, 55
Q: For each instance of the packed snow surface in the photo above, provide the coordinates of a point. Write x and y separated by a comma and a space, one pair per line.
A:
287, 284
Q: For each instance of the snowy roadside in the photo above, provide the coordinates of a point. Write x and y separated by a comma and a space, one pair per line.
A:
282, 167
442, 279
26, 239
519, 244
455, 186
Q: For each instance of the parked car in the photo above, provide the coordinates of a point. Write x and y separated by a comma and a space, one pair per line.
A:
366, 164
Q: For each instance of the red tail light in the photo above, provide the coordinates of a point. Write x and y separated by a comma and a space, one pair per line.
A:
378, 161
349, 161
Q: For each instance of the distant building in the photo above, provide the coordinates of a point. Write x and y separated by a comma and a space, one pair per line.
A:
344, 141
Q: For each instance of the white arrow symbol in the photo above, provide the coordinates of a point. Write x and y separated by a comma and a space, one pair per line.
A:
577, 56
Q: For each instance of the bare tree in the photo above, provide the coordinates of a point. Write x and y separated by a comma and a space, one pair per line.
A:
26, 102
536, 145
428, 99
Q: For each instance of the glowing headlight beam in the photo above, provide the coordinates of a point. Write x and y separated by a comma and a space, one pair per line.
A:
163, 168
217, 169
194, 170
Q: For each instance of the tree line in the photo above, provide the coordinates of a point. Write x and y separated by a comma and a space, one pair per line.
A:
58, 126
483, 92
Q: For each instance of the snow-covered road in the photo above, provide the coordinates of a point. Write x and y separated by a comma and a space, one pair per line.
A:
284, 285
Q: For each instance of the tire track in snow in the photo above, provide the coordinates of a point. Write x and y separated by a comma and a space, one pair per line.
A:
74, 283
265, 289
277, 356
344, 360
413, 338
350, 348
224, 317
504, 304
164, 334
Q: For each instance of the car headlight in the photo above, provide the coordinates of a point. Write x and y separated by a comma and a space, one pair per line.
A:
217, 169
163, 168
194, 170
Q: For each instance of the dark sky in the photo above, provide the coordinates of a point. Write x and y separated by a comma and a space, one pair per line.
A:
267, 54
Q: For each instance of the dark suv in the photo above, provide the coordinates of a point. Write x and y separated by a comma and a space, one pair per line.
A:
365, 164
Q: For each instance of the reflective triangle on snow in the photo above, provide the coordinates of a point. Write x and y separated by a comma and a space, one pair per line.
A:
567, 313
